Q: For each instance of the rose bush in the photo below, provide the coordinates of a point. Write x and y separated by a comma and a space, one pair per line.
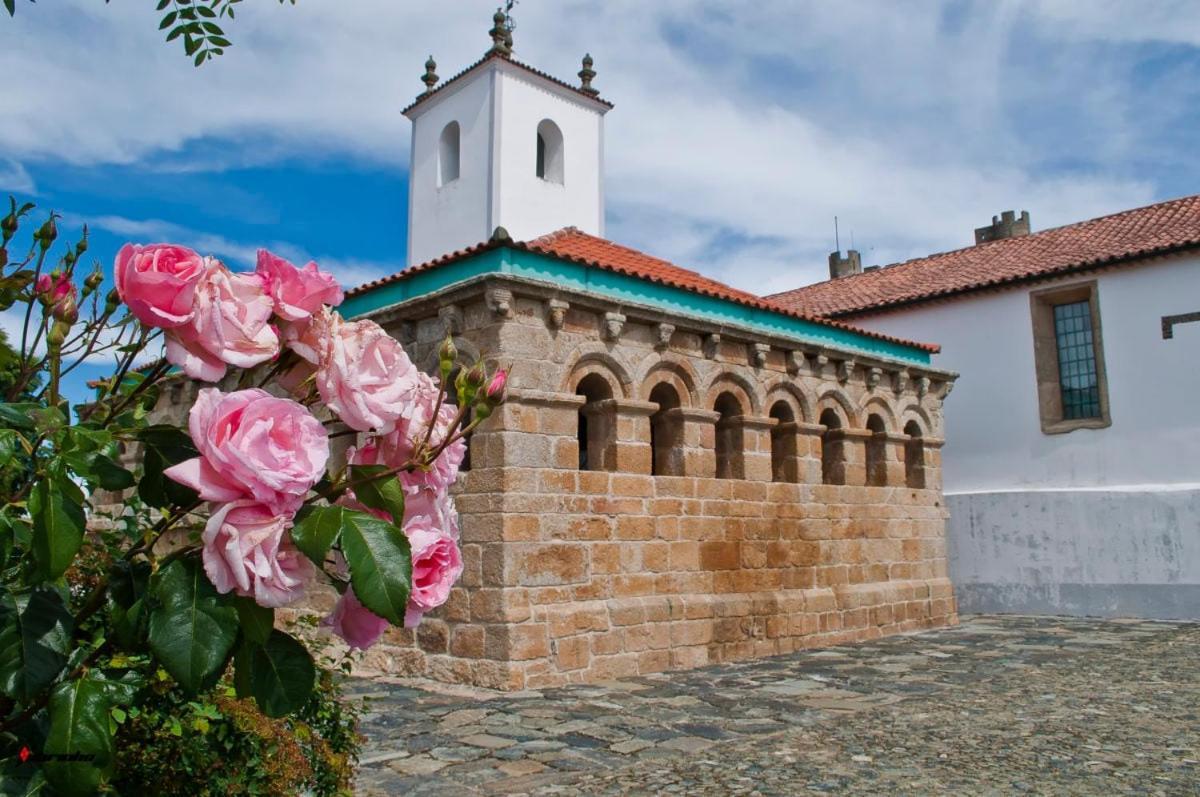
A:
215, 526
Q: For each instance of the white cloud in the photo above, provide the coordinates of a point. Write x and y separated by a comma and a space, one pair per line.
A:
15, 177
740, 130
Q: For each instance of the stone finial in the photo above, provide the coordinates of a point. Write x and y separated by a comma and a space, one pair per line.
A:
712, 345
795, 362
759, 354
430, 77
500, 236
500, 301
873, 377
452, 319
613, 324
665, 331
558, 313
586, 76
501, 35
845, 369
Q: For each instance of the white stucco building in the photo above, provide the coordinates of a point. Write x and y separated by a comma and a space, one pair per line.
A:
1072, 461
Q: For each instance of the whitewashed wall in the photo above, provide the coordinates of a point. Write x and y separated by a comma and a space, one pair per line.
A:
499, 107
1102, 521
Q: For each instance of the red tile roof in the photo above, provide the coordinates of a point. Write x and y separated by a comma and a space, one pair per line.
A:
572, 245
524, 67
1125, 237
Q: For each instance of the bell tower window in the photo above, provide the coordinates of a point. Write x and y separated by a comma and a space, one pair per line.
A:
448, 154
549, 152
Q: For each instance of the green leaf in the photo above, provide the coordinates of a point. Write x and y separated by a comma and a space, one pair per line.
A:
111, 476
192, 629
79, 728
164, 446
380, 493
35, 641
127, 602
11, 6
56, 507
380, 564
257, 621
168, 20
18, 416
316, 529
281, 674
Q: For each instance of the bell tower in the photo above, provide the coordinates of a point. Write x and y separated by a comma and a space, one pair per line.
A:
502, 144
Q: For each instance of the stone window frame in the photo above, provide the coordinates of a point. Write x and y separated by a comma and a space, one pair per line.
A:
1045, 356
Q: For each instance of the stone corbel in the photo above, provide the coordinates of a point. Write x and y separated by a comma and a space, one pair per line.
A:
795, 362
817, 363
873, 377
759, 354
452, 319
500, 302
945, 388
613, 324
712, 345
899, 381
922, 386
845, 369
665, 331
557, 313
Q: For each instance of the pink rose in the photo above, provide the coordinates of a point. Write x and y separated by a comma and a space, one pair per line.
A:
365, 377
53, 288
229, 326
355, 623
436, 565
395, 448
297, 293
495, 390
247, 549
310, 337
253, 445
157, 282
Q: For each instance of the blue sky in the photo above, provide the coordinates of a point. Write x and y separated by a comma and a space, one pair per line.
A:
740, 129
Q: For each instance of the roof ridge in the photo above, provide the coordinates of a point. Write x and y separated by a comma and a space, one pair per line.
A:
900, 264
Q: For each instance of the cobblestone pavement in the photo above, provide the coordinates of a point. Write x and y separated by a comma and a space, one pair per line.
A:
998, 705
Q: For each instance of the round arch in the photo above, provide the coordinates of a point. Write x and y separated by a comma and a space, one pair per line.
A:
742, 388
786, 391
674, 372
839, 402
878, 406
602, 363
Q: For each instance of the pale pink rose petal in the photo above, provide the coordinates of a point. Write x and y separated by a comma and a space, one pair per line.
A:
356, 624
365, 376
297, 293
157, 282
247, 550
204, 479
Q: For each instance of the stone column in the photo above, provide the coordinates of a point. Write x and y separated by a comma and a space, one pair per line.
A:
894, 447
631, 447
699, 439
756, 447
808, 452
533, 429
854, 455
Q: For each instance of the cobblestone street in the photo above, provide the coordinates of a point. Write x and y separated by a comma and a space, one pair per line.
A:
998, 705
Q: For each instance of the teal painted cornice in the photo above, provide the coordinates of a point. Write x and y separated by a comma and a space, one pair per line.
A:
626, 289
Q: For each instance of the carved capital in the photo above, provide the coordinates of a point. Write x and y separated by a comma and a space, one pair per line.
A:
758, 354
665, 331
845, 369
556, 313
712, 345
500, 302
452, 319
613, 324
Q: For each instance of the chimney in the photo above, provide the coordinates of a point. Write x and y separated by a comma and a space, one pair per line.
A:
1006, 225
844, 266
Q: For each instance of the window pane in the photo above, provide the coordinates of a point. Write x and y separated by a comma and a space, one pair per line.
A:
1076, 360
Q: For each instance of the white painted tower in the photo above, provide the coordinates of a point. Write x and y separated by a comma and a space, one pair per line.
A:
503, 145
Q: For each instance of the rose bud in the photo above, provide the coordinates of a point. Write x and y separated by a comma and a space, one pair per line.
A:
46, 233
112, 301
57, 334
93, 280
65, 309
447, 354
497, 389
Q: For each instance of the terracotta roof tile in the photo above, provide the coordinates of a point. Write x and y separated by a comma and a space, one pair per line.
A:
524, 67
575, 246
1159, 229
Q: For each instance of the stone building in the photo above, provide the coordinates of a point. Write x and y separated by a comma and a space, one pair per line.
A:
684, 473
